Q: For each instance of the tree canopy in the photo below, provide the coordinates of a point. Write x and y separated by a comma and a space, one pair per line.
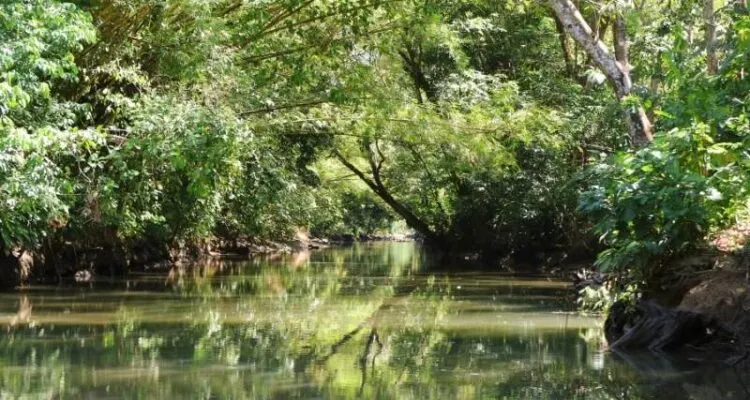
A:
516, 128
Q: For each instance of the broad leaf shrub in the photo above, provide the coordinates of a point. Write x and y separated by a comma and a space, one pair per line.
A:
660, 202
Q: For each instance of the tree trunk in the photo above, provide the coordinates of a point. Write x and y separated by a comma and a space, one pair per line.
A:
741, 6
402, 210
655, 82
639, 125
570, 64
615, 67
710, 19
412, 59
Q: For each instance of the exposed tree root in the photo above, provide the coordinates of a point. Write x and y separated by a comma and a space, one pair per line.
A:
649, 326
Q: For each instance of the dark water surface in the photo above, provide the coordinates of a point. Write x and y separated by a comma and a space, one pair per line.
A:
369, 321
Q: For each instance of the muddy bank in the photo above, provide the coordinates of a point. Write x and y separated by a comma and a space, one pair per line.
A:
710, 322
69, 261
723, 297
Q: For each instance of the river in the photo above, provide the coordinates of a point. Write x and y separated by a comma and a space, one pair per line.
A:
367, 321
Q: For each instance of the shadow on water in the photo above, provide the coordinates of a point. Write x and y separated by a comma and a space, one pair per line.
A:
367, 321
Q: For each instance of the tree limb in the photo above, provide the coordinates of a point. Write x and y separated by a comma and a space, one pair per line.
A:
615, 67
376, 184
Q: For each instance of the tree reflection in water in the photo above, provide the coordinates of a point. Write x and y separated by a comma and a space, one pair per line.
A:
364, 321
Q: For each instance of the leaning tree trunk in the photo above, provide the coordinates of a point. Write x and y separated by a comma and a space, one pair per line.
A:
615, 67
375, 183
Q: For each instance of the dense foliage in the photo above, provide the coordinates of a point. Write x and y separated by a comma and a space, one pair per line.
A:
659, 203
487, 126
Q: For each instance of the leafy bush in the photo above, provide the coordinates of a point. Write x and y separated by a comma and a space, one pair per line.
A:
660, 202
37, 41
35, 194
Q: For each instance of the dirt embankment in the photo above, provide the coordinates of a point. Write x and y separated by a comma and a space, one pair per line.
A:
724, 297
698, 306
723, 294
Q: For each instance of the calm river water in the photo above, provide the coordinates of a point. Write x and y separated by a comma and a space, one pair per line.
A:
368, 321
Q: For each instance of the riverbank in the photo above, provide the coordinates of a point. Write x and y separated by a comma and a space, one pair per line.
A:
697, 309
716, 283
83, 263
74, 261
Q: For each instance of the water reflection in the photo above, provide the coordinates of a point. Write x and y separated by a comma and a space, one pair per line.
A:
363, 321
